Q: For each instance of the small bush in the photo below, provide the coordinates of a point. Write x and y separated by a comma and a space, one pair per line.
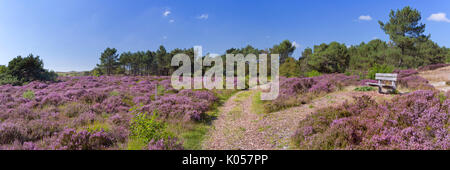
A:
365, 88
380, 69
146, 129
313, 73
70, 139
29, 94
8, 79
448, 83
114, 93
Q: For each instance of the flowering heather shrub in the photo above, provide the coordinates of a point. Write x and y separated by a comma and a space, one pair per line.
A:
80, 102
410, 79
296, 91
10, 132
187, 105
70, 139
165, 144
433, 67
415, 121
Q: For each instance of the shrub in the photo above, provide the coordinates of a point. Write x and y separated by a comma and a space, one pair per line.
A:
432, 67
418, 120
8, 79
10, 132
74, 109
365, 88
29, 94
70, 139
30, 69
146, 129
313, 73
165, 144
297, 91
379, 69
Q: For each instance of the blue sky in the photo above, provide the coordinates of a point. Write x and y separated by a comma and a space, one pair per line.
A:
71, 34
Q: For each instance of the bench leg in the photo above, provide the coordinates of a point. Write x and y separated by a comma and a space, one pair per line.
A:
380, 90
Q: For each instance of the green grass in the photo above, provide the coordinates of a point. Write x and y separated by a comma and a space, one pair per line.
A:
114, 93
98, 126
365, 88
242, 96
257, 104
29, 94
135, 144
193, 134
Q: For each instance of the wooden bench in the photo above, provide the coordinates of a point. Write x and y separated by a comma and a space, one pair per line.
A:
383, 77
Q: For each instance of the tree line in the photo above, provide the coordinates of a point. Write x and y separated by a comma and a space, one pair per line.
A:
25, 69
408, 47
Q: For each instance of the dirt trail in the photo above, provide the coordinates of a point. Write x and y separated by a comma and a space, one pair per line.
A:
239, 128
438, 78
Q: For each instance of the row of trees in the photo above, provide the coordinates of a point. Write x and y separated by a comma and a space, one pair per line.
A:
158, 62
408, 47
21, 70
138, 63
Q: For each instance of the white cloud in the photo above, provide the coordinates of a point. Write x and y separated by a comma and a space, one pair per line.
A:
295, 44
166, 13
365, 18
203, 16
439, 17
171, 21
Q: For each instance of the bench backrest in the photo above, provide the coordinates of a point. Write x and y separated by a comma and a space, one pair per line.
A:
386, 77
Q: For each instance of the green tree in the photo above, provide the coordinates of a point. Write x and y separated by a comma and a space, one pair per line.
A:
329, 58
163, 60
405, 30
285, 49
108, 60
290, 68
430, 53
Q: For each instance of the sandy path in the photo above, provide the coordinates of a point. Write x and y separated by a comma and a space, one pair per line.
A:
237, 128
438, 78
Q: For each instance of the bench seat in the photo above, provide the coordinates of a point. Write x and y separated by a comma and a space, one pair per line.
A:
382, 85
385, 77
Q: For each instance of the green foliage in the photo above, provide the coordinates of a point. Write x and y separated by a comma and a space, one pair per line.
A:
147, 128
114, 93
3, 69
160, 90
313, 73
330, 58
29, 94
98, 126
290, 68
379, 69
28, 69
365, 88
97, 72
8, 79
285, 49
109, 61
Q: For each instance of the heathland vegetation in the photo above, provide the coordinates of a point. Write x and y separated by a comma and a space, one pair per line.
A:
127, 101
